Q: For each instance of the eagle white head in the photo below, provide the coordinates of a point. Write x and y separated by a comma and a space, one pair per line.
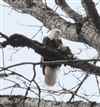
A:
54, 34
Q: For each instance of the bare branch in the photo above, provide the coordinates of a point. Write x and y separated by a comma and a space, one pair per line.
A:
4, 36
91, 12
81, 64
68, 10
38, 87
18, 40
89, 33
80, 84
47, 16
50, 19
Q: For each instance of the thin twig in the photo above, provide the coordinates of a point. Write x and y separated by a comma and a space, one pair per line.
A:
80, 84
98, 86
72, 92
49, 62
73, 63
38, 87
4, 36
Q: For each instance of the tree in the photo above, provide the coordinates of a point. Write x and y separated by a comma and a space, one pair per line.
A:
85, 29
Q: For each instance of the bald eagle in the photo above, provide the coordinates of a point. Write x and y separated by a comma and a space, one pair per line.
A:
53, 41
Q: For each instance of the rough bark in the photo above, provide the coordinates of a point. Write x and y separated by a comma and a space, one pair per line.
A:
17, 101
91, 12
90, 34
68, 10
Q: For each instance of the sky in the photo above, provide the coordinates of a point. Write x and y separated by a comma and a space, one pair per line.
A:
14, 22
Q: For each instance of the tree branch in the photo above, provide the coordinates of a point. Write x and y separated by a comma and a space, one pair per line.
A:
47, 16
89, 32
79, 86
50, 19
68, 10
17, 40
91, 12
